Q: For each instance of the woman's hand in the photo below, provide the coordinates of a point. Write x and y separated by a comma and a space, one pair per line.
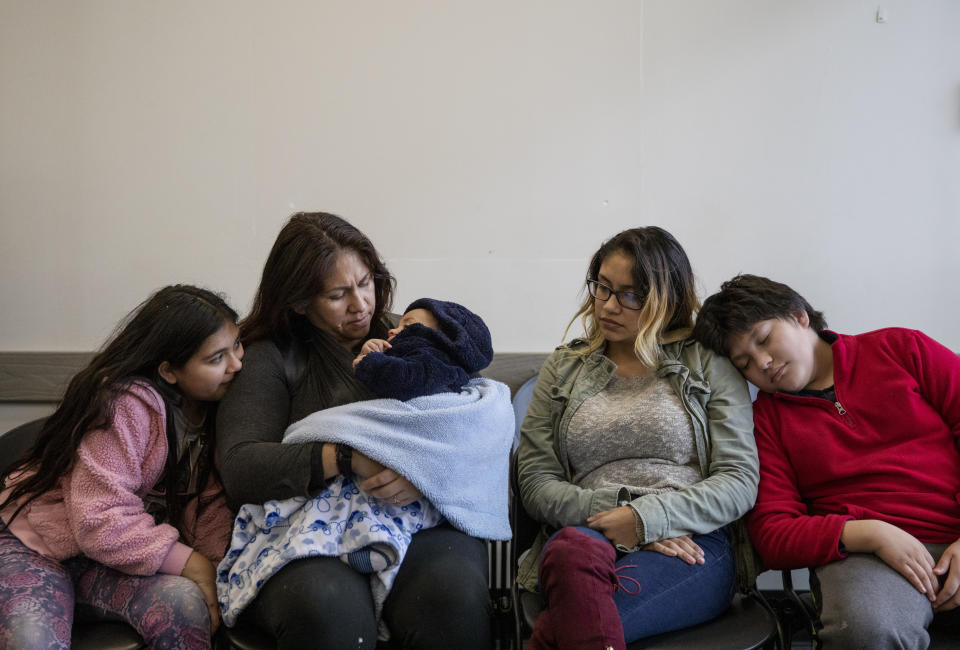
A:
201, 571
376, 480
363, 466
899, 549
389, 486
372, 345
619, 525
949, 595
382, 482
682, 547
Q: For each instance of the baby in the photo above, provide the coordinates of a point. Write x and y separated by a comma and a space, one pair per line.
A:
436, 347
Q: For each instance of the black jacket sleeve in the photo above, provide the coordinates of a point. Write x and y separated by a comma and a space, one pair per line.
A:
254, 465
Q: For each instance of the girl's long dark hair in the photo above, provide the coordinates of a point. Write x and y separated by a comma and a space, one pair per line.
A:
297, 267
170, 325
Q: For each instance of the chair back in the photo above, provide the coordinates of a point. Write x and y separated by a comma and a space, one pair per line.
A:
525, 528
15, 442
521, 402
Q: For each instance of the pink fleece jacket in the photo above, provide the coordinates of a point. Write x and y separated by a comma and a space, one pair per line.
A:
97, 508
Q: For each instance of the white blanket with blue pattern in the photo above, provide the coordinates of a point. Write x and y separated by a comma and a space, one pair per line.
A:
454, 447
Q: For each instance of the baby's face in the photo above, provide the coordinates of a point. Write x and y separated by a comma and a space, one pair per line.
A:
422, 316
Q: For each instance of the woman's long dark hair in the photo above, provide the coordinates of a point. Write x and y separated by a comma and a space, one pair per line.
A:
297, 267
662, 275
170, 325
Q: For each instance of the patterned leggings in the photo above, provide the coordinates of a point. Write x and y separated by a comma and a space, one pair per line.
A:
39, 595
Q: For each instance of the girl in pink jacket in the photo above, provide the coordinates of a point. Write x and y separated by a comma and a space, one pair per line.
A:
118, 505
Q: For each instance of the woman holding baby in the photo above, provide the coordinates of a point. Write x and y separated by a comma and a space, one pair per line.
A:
324, 292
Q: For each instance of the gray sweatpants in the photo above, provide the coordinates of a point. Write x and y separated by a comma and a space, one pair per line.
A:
864, 603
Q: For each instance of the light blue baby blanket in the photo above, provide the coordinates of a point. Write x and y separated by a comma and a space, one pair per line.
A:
454, 447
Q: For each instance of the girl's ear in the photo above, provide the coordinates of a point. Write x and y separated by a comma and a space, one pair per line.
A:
300, 308
165, 370
802, 318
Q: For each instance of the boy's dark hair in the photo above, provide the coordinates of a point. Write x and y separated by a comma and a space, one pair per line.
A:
744, 301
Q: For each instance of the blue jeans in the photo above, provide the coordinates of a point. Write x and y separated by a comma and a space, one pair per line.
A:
673, 594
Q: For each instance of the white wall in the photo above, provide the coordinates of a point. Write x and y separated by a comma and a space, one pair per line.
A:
805, 141
487, 149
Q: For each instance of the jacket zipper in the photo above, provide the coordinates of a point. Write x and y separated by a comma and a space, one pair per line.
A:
842, 412
701, 439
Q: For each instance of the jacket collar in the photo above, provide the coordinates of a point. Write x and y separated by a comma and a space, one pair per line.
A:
675, 361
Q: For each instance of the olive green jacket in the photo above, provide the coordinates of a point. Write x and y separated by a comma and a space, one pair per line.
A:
716, 398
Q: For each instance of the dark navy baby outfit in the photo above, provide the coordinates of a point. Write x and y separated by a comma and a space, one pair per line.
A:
423, 360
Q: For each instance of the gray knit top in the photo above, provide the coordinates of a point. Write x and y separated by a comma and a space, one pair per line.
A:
633, 433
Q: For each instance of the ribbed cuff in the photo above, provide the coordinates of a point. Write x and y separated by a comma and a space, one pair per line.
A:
176, 559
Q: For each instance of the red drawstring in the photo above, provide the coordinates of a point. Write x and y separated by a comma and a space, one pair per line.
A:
621, 578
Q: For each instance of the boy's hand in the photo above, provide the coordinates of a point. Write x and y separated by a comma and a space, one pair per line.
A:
682, 547
949, 595
899, 549
373, 345
619, 525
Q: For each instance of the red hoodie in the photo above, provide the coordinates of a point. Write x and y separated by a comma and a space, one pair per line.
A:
886, 449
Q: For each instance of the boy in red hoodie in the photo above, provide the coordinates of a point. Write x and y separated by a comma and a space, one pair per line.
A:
859, 464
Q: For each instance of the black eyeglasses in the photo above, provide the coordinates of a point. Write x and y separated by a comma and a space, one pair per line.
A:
627, 299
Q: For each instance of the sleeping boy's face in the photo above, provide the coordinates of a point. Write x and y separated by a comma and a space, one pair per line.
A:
422, 316
776, 354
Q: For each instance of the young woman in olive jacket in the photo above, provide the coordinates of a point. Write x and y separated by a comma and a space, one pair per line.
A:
636, 453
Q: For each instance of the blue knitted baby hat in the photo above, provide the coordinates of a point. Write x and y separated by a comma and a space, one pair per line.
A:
470, 345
